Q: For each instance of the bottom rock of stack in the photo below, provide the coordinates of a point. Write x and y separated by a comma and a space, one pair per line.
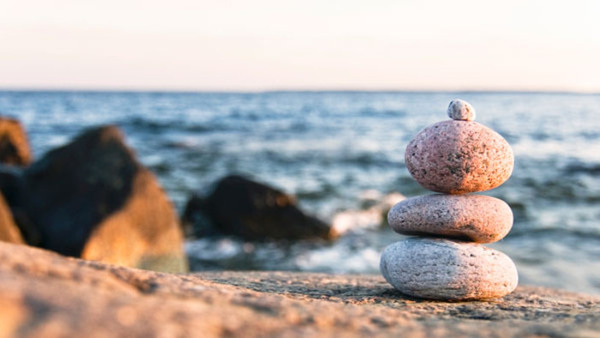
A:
436, 268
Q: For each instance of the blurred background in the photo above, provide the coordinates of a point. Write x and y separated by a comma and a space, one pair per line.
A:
319, 100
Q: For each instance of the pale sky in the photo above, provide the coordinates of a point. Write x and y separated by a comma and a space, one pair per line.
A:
309, 44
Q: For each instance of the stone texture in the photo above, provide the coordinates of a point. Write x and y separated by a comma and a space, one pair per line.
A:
458, 157
478, 218
92, 199
448, 270
9, 232
241, 207
45, 295
14, 148
461, 110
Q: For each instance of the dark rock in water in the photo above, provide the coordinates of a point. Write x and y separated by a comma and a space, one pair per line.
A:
241, 207
45, 295
14, 148
92, 199
195, 220
9, 232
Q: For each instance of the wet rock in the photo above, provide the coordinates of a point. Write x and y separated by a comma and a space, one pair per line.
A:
458, 157
14, 148
45, 295
477, 218
241, 207
91, 198
9, 232
448, 270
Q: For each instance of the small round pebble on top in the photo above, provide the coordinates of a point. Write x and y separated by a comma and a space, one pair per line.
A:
461, 110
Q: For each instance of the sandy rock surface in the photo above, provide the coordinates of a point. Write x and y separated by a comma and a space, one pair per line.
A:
46, 295
477, 218
458, 157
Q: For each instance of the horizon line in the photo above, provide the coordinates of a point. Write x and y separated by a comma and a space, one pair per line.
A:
292, 90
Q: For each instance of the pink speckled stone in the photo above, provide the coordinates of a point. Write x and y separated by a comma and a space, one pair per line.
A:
458, 157
477, 218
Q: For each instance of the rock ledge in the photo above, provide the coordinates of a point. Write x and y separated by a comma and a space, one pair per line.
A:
46, 295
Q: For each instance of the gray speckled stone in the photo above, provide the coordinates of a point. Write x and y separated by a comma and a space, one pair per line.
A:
461, 110
477, 218
458, 157
448, 270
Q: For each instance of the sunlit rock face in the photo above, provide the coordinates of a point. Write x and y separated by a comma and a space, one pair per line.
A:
92, 199
14, 148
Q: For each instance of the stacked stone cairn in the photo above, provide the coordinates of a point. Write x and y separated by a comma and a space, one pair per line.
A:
447, 262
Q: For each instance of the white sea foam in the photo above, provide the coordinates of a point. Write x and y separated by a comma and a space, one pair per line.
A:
370, 218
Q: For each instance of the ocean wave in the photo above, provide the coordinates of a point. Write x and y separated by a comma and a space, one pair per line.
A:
139, 124
582, 168
557, 233
372, 217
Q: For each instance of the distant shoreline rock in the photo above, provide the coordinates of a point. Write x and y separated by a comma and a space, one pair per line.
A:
251, 210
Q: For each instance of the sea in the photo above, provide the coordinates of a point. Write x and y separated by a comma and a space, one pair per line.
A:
338, 153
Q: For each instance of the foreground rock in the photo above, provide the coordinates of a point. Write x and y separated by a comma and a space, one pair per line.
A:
14, 148
45, 295
251, 210
448, 270
477, 218
9, 232
92, 199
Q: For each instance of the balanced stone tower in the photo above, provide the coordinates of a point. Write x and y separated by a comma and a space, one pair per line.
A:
447, 261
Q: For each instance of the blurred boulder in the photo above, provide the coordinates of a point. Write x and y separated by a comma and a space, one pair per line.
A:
92, 199
14, 148
11, 182
11, 187
241, 207
9, 232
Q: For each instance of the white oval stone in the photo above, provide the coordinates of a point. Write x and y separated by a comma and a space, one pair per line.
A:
461, 110
448, 270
